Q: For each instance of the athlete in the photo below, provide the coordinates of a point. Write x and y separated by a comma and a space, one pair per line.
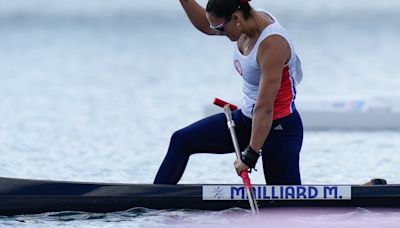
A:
267, 123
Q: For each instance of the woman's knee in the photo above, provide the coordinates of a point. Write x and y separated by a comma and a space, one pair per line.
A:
177, 136
179, 141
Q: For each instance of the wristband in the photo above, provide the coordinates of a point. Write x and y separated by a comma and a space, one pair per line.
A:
250, 157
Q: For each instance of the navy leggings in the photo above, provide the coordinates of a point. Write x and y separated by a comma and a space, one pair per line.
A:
280, 156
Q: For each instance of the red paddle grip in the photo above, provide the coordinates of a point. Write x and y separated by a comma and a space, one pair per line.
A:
246, 180
222, 103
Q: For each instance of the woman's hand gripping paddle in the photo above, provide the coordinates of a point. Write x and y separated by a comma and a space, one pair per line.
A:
228, 108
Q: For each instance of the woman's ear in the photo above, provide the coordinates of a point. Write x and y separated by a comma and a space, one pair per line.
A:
236, 18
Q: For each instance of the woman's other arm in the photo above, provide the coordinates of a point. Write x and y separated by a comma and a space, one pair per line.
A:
197, 15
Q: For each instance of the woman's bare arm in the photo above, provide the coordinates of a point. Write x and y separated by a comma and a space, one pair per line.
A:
197, 15
273, 54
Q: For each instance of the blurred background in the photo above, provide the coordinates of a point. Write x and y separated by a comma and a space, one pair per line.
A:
92, 90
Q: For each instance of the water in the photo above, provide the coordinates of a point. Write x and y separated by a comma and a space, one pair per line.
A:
92, 91
141, 217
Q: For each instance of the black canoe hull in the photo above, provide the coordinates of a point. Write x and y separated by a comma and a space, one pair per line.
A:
21, 196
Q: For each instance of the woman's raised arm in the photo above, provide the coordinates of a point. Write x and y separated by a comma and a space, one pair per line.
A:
197, 15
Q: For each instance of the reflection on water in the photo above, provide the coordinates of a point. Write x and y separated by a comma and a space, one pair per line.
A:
277, 217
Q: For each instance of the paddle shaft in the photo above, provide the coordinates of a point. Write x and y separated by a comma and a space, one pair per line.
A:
244, 174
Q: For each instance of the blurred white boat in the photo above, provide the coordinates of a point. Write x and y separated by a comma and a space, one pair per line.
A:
323, 114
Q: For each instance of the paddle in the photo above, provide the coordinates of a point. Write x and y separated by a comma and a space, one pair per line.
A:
228, 108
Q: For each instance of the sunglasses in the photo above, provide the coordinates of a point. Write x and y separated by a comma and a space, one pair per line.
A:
220, 28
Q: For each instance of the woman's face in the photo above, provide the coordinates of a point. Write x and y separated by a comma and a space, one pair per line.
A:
225, 27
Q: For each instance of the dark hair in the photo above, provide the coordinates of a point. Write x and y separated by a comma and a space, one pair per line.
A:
225, 8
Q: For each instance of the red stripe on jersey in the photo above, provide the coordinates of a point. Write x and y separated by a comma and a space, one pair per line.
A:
284, 98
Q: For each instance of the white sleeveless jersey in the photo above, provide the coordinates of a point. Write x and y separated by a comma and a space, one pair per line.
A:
248, 68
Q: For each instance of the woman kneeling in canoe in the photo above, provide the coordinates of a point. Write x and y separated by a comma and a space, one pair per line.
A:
267, 123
